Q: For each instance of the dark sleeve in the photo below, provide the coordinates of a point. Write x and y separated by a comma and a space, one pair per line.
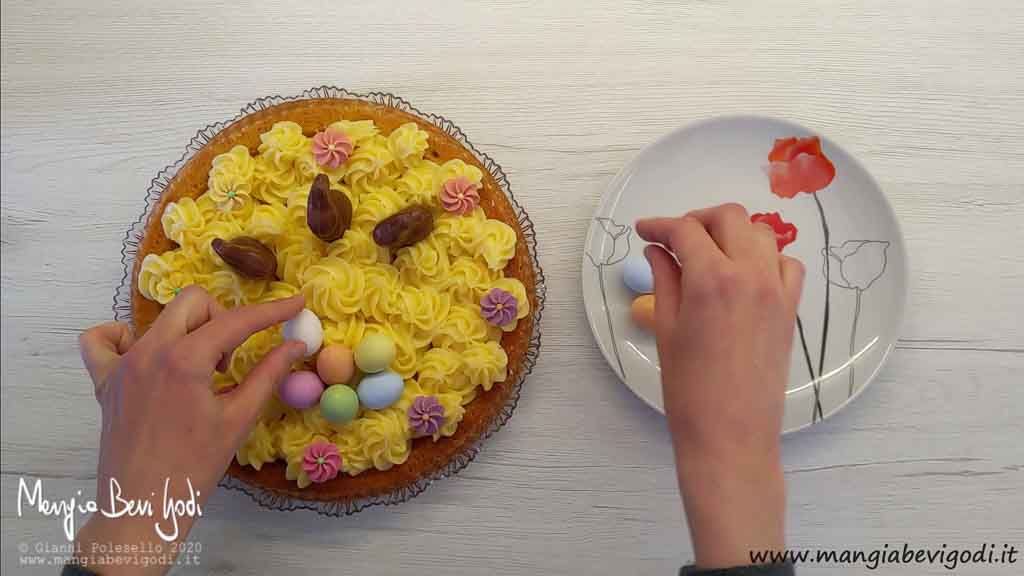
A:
759, 570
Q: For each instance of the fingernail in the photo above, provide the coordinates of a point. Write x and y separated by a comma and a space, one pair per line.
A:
647, 253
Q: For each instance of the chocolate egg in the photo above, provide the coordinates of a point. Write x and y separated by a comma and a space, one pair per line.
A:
637, 274
339, 404
301, 390
642, 311
334, 364
375, 352
305, 326
380, 390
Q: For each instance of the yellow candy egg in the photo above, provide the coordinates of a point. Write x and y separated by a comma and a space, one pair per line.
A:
642, 311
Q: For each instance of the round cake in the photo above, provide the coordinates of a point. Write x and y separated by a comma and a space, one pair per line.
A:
412, 261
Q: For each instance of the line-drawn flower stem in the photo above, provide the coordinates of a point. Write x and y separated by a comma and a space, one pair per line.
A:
853, 339
824, 321
614, 231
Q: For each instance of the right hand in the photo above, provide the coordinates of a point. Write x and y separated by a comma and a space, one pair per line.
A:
725, 309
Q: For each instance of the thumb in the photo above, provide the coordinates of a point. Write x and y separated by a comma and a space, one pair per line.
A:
245, 402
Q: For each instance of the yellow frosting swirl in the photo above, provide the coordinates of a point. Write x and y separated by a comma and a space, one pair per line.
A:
293, 435
469, 279
267, 223
354, 459
385, 436
297, 250
371, 159
380, 296
182, 221
162, 276
407, 143
375, 207
286, 161
424, 309
225, 230
450, 401
440, 370
358, 131
348, 331
416, 185
498, 244
222, 382
484, 364
462, 233
357, 246
425, 262
334, 288
231, 177
277, 290
462, 326
232, 290
258, 448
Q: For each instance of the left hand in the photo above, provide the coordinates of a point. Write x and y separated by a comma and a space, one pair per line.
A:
162, 423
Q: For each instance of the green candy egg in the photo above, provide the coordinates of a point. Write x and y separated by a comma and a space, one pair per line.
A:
375, 353
339, 404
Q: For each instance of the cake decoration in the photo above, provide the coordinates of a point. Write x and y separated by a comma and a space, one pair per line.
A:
375, 353
405, 227
306, 327
328, 211
331, 148
339, 404
248, 256
426, 416
393, 282
335, 364
637, 274
321, 461
642, 311
301, 390
459, 196
380, 390
499, 307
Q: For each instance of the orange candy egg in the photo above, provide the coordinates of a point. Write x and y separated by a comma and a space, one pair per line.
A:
334, 364
642, 311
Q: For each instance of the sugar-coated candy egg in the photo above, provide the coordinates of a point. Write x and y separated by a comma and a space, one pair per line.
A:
301, 390
334, 364
339, 404
305, 326
375, 352
380, 390
637, 274
642, 311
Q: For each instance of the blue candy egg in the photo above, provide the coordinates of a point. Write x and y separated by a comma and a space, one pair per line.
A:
380, 390
637, 274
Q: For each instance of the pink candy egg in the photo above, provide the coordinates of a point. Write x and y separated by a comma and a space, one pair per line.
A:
301, 390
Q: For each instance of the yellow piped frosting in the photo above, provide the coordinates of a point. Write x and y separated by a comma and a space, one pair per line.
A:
425, 297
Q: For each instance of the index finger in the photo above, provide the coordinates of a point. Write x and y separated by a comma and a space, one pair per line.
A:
686, 237
230, 329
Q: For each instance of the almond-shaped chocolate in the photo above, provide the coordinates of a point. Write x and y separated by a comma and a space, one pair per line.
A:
328, 211
248, 256
405, 227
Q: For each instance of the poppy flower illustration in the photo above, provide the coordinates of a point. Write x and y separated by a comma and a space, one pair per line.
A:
785, 232
798, 165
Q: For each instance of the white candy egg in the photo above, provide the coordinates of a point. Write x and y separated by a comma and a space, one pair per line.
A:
305, 326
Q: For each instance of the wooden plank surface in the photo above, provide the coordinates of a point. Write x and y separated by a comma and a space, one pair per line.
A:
97, 98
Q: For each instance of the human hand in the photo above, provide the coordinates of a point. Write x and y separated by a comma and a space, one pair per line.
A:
725, 309
161, 420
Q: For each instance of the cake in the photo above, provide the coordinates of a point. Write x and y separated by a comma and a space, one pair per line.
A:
457, 299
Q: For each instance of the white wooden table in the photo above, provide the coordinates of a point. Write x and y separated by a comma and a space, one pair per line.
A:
97, 97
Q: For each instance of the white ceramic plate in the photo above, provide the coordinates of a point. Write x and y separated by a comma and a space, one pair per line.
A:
726, 160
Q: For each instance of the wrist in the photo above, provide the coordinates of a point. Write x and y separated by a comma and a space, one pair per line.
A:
734, 501
112, 546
